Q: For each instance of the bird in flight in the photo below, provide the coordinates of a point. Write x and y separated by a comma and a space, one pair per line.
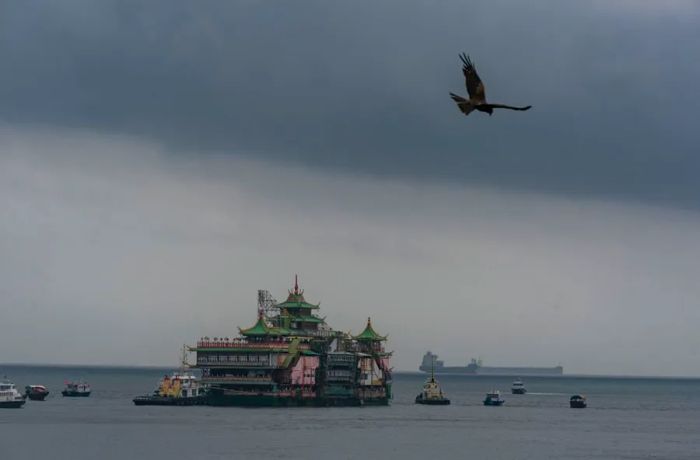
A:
477, 94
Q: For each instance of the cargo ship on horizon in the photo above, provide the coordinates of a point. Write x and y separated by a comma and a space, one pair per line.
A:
475, 367
291, 357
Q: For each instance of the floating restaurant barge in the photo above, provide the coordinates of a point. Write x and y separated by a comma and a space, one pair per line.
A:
291, 357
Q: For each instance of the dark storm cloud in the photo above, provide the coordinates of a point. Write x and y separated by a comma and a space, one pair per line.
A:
362, 86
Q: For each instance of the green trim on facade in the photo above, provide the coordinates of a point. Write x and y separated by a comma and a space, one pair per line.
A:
309, 353
307, 319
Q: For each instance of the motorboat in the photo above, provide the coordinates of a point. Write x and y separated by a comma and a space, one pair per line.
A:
518, 387
77, 390
493, 398
10, 398
578, 402
36, 392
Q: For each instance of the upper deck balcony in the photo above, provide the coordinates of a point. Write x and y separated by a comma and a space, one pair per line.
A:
241, 344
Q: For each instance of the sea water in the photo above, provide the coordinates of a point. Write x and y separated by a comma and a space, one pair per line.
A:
631, 418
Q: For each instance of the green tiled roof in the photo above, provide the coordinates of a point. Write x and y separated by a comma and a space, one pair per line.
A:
293, 302
262, 329
369, 334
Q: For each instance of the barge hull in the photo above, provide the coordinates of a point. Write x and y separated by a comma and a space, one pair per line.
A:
165, 401
73, 394
218, 399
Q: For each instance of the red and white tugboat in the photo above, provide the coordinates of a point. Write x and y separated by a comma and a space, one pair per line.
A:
36, 392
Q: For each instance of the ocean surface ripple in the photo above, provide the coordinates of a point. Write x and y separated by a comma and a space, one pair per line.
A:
627, 418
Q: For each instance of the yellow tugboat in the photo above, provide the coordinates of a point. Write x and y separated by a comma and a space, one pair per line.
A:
432, 393
180, 389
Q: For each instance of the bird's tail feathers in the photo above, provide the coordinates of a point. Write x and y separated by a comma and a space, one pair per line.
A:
464, 105
503, 106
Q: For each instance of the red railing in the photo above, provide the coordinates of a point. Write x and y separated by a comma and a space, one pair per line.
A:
238, 343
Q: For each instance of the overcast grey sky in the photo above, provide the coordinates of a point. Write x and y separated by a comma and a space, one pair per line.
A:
160, 162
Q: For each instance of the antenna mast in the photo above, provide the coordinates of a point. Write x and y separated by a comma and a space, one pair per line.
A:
184, 365
266, 303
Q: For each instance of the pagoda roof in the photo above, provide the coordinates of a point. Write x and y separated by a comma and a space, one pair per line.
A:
291, 304
369, 334
261, 329
296, 299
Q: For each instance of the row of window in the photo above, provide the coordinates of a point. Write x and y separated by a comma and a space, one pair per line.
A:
249, 359
338, 373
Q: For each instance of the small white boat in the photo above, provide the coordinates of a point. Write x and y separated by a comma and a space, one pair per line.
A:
518, 387
10, 398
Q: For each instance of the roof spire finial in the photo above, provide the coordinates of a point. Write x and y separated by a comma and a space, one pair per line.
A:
296, 284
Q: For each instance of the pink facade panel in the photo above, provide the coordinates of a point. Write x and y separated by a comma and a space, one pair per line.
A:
304, 372
384, 364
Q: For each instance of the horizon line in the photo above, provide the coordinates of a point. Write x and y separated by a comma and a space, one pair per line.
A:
417, 372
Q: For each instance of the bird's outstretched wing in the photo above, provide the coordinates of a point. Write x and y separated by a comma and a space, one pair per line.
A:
501, 106
464, 105
475, 87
